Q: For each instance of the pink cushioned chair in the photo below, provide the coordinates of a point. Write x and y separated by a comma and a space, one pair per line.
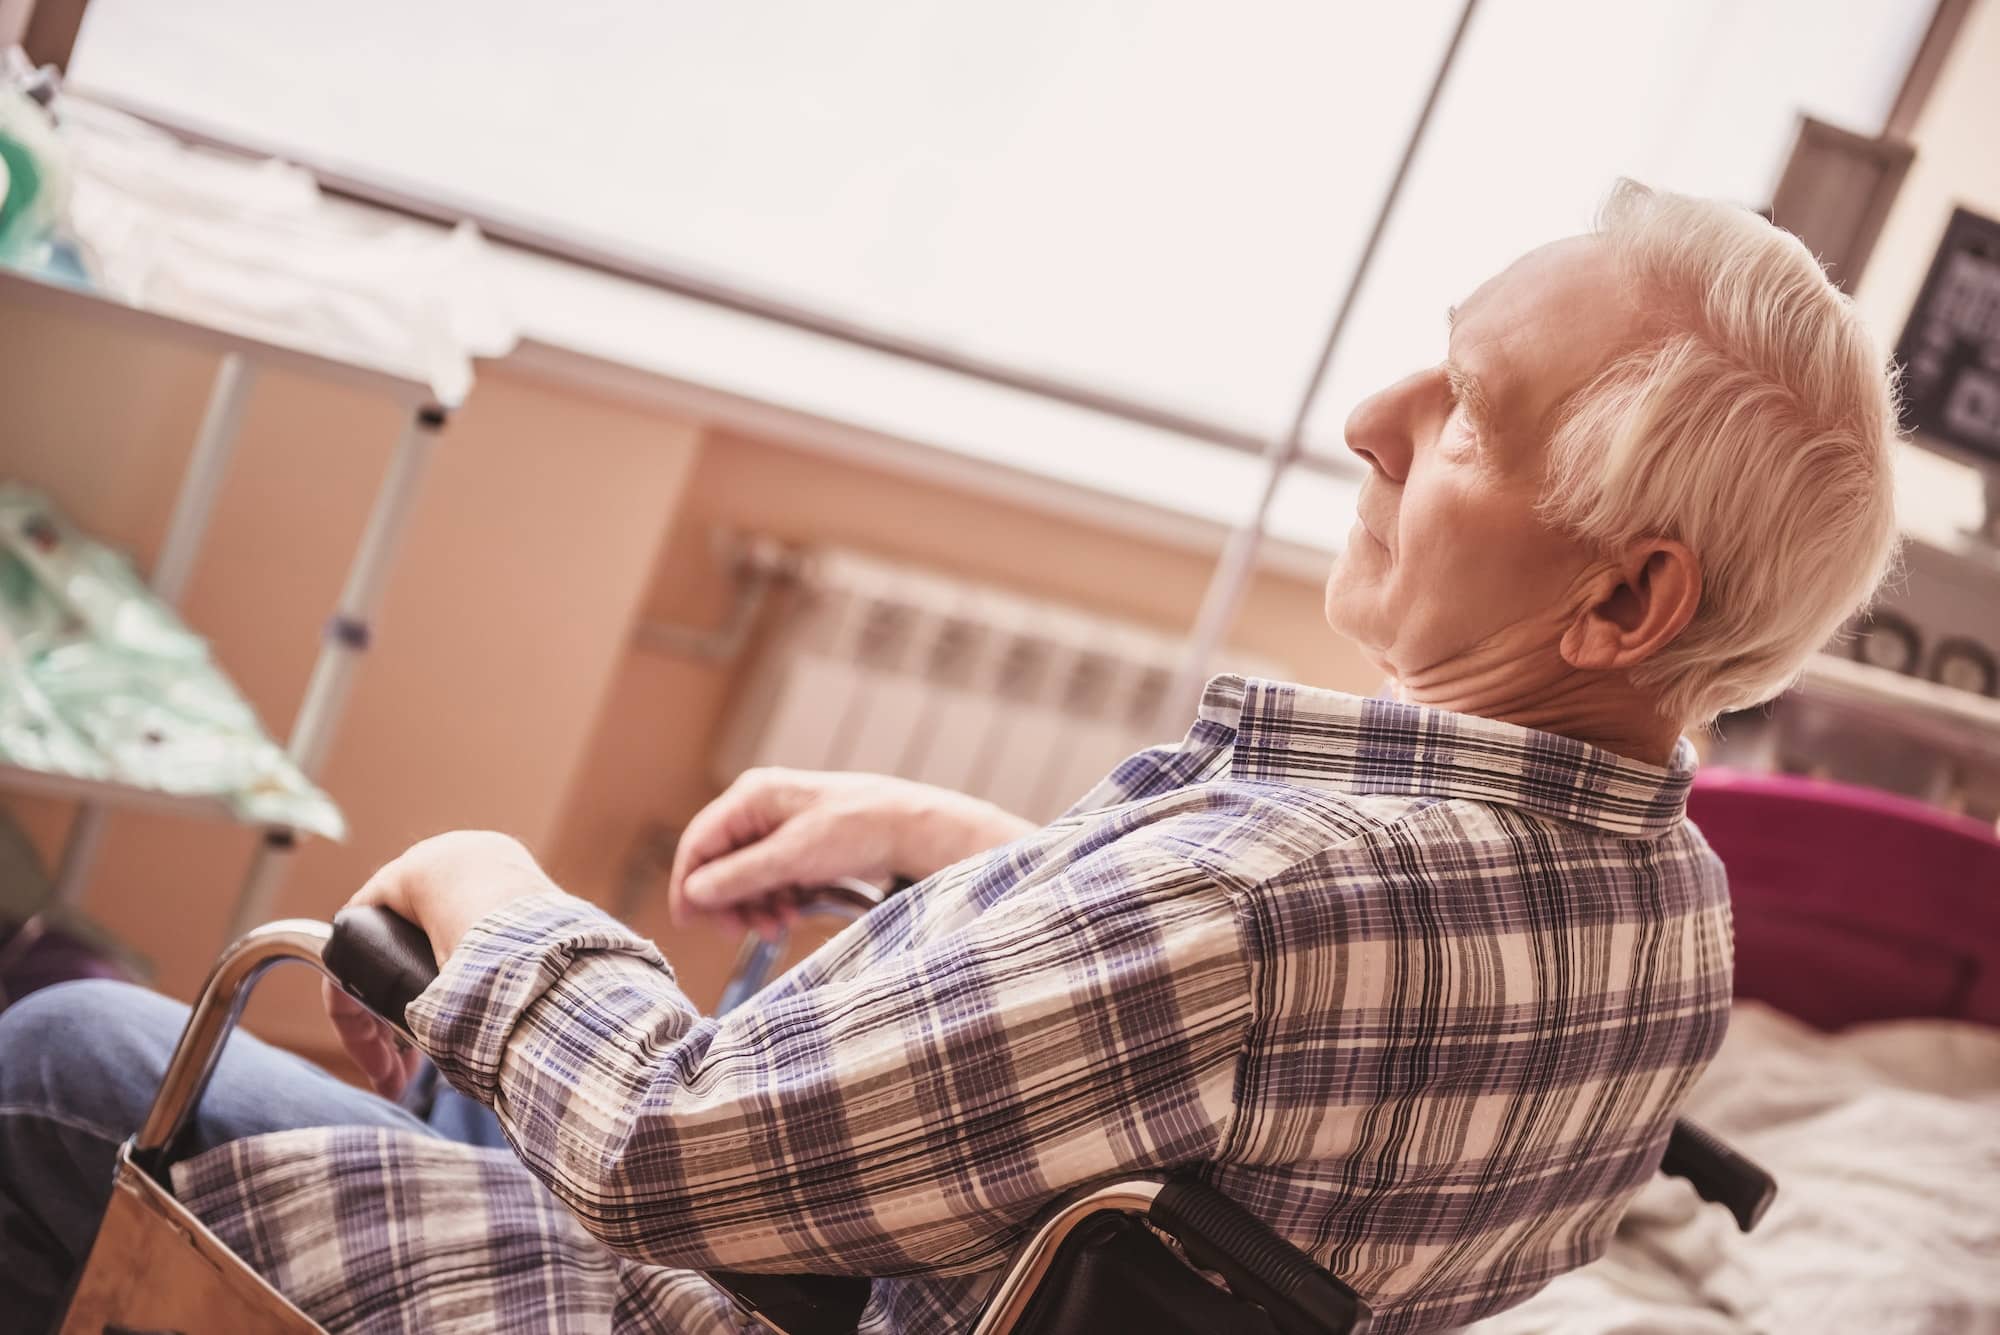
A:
1853, 904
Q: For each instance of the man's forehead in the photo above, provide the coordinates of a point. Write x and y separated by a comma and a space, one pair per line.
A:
1554, 281
1542, 328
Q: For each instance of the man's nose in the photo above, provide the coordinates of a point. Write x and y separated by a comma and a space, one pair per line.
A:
1381, 429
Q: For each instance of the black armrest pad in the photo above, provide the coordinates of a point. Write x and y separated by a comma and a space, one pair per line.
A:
800, 1304
1718, 1173
1113, 1274
1220, 1235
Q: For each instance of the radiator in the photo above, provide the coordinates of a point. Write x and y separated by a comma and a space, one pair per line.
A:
866, 665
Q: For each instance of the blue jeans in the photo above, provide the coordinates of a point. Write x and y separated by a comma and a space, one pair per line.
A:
79, 1065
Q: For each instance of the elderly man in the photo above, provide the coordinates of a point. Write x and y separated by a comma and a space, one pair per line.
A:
1421, 981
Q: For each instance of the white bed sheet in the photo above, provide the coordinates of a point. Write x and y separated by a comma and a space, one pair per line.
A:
1885, 1141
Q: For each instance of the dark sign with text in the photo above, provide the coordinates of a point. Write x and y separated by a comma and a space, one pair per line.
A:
1950, 350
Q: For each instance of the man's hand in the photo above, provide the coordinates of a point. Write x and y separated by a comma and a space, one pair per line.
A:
372, 1045
776, 832
443, 885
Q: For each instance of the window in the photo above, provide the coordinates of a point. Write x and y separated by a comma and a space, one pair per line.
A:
1160, 199
1551, 100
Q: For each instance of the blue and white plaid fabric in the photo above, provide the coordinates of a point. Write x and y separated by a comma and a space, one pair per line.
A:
1421, 990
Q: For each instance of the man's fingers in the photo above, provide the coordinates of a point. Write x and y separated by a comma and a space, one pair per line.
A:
407, 1062
750, 809
347, 1014
371, 1044
699, 842
389, 887
776, 863
715, 829
387, 1066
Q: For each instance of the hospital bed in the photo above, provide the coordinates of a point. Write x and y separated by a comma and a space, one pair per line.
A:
1095, 1263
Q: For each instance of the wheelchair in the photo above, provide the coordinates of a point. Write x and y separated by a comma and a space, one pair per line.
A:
1095, 1263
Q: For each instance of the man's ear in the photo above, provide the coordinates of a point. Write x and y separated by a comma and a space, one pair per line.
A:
1641, 603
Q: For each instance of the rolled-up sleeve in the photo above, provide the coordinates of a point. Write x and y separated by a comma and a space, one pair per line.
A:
909, 1117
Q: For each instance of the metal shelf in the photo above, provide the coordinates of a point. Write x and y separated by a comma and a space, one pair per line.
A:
1956, 722
242, 357
400, 383
111, 793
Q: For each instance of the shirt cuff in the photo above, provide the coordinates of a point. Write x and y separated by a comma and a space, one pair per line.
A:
504, 964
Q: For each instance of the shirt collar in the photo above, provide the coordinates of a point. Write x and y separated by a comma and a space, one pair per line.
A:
1328, 739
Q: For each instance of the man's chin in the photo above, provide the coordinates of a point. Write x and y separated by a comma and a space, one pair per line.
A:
1347, 615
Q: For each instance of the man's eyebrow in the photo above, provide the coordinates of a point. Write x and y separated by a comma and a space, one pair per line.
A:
1470, 395
1467, 390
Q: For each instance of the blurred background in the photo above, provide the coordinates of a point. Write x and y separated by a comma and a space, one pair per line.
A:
526, 416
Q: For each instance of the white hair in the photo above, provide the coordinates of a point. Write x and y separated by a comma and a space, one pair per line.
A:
1756, 425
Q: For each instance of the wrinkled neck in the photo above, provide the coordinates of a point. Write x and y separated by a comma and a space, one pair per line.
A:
1539, 690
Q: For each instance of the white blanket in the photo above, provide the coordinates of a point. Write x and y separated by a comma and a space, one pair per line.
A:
1885, 1141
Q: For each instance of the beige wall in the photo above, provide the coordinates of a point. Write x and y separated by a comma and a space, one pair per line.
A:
502, 691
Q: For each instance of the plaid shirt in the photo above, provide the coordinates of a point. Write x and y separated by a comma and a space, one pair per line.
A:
1422, 990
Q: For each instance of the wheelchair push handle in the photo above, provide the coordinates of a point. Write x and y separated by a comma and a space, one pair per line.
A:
381, 959
1219, 1235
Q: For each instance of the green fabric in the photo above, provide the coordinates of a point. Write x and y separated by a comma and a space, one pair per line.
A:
100, 679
